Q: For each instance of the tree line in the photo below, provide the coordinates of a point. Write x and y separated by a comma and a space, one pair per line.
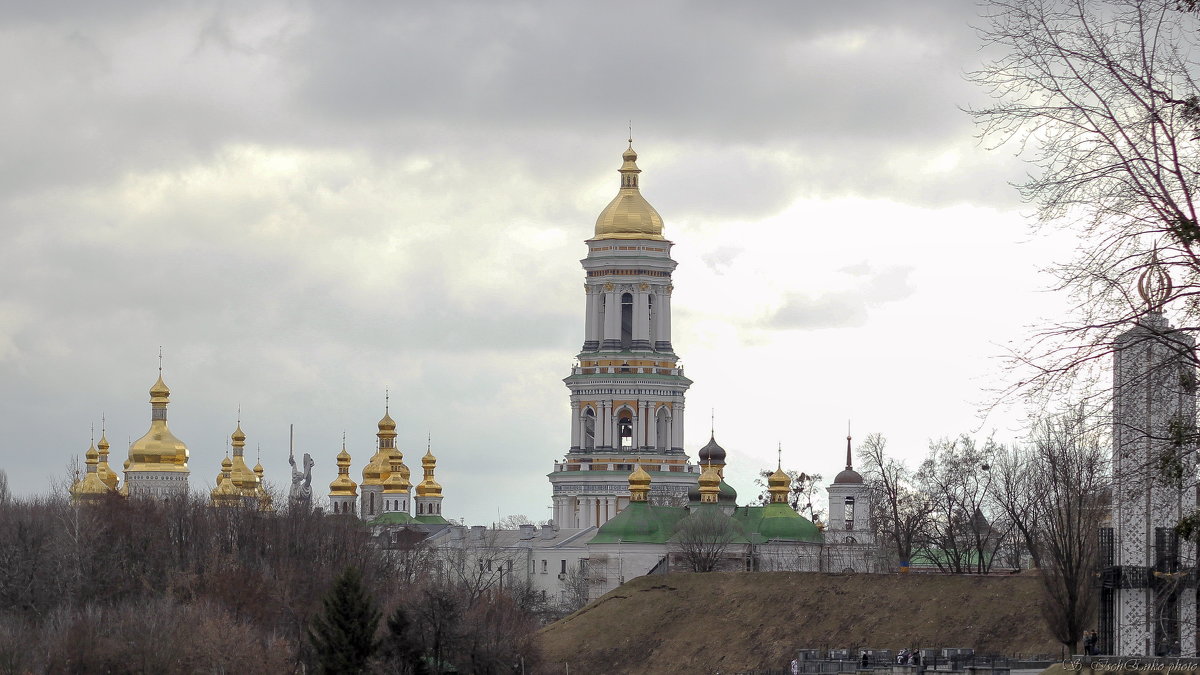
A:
178, 586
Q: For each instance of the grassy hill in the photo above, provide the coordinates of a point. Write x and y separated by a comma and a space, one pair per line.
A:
701, 623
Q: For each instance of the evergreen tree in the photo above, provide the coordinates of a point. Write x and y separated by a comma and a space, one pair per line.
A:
402, 649
343, 635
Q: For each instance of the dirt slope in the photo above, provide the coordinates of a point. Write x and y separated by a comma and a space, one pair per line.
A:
702, 623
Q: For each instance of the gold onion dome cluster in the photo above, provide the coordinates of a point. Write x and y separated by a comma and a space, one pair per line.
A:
91, 486
158, 449
238, 482
629, 215
226, 493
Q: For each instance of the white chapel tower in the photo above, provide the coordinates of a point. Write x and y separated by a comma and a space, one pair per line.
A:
627, 388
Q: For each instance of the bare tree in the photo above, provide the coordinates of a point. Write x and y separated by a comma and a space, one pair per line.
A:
704, 537
957, 480
1100, 96
803, 491
1072, 469
5, 495
1015, 489
900, 511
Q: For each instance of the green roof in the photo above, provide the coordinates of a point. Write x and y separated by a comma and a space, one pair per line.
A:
431, 520
779, 521
776, 521
393, 518
640, 523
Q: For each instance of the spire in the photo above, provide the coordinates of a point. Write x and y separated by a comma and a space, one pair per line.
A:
848, 475
849, 462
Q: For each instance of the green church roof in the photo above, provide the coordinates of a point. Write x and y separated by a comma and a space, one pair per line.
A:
776, 521
779, 521
431, 520
640, 523
393, 518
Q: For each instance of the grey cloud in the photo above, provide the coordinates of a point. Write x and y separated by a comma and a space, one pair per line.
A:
843, 308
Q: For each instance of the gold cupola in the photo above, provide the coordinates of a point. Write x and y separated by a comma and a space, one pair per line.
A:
396, 482
105, 471
377, 471
158, 449
264, 497
639, 485
710, 485
243, 478
343, 485
779, 485
429, 487
226, 493
629, 215
91, 487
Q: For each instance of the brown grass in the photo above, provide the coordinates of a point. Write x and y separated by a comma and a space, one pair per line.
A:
702, 623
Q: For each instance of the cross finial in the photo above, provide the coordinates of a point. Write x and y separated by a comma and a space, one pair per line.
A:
160, 360
779, 456
631, 133
428, 441
387, 400
343, 439
712, 422
239, 422
93, 433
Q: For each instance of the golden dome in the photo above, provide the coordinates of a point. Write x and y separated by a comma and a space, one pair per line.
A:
387, 423
639, 484
343, 485
779, 485
158, 449
376, 471
103, 469
629, 215
710, 485
243, 477
258, 470
397, 481
159, 388
429, 487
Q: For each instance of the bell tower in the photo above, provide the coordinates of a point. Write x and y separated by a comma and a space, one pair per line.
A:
627, 388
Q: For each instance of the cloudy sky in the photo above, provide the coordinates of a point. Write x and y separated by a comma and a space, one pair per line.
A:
308, 203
